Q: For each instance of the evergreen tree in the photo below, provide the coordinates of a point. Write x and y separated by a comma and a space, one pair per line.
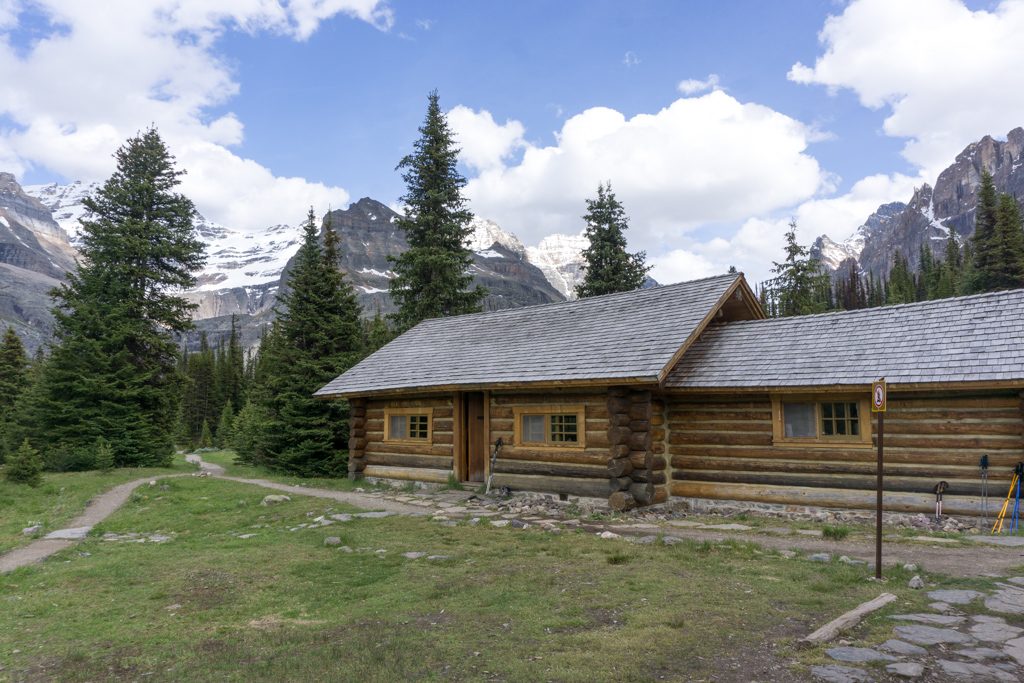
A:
104, 455
14, 378
431, 277
112, 369
985, 241
224, 426
901, 288
24, 466
609, 268
205, 438
800, 286
317, 334
950, 270
247, 433
376, 333
1008, 269
199, 391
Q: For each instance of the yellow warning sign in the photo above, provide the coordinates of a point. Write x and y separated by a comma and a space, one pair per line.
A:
878, 396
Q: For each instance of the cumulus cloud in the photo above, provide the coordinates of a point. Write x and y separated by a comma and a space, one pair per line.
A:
944, 72
630, 58
108, 70
699, 161
693, 86
484, 144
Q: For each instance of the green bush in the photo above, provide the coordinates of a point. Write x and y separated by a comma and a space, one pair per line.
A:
835, 532
104, 459
24, 466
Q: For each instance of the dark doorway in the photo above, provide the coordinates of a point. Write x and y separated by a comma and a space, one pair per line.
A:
474, 445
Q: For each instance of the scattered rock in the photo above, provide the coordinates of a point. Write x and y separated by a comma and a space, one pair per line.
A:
374, 515
834, 673
820, 557
940, 606
906, 669
937, 619
979, 654
72, 534
1019, 580
917, 583
1007, 600
975, 671
343, 517
955, 597
929, 635
910, 567
643, 540
994, 632
173, 608
788, 554
438, 558
726, 527
274, 499
671, 540
32, 530
608, 534
332, 540
809, 532
246, 535
499, 522
413, 555
519, 524
858, 655
345, 549
849, 560
901, 648
1015, 648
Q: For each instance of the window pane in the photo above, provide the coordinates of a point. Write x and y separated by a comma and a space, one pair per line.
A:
798, 419
398, 427
855, 427
826, 428
564, 429
853, 409
840, 410
533, 428
841, 427
826, 410
418, 426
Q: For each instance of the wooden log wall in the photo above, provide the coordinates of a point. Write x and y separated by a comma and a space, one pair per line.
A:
721, 448
409, 461
636, 476
562, 470
357, 438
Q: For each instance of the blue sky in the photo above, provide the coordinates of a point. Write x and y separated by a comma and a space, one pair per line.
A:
715, 122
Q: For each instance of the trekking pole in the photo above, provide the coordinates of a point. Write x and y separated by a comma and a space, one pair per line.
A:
998, 526
1018, 471
983, 464
494, 458
940, 488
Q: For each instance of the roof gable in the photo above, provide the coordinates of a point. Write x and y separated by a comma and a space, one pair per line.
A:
965, 339
626, 337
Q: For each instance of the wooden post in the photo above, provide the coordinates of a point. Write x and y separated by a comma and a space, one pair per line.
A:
878, 500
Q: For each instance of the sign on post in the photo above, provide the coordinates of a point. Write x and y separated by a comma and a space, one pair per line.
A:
878, 402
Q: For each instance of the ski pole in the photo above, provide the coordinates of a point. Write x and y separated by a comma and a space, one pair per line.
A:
983, 464
940, 488
494, 458
998, 526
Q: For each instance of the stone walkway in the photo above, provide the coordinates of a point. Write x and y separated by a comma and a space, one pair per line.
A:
965, 636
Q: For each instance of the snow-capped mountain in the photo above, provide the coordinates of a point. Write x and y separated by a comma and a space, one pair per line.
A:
64, 203
560, 258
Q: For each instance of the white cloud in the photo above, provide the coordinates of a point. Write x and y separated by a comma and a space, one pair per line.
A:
944, 72
699, 161
693, 86
630, 58
483, 143
108, 70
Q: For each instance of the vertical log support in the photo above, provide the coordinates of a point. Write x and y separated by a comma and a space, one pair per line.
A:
633, 480
357, 438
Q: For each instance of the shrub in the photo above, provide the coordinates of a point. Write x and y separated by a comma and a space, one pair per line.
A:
104, 460
24, 466
836, 533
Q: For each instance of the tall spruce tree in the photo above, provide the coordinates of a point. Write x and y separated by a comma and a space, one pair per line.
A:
609, 267
1008, 270
985, 243
14, 378
901, 288
431, 277
317, 334
800, 285
111, 373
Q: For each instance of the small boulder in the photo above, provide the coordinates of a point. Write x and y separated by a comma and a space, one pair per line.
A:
917, 583
413, 555
820, 557
519, 524
607, 534
906, 669
910, 567
345, 549
274, 499
332, 540
32, 530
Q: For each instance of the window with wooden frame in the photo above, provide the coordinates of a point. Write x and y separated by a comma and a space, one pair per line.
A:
561, 426
821, 420
408, 424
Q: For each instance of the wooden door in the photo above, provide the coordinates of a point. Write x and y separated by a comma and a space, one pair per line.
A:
475, 447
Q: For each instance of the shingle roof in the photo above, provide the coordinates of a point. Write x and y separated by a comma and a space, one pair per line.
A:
972, 338
627, 336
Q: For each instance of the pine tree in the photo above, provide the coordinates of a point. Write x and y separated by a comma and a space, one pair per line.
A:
609, 268
947, 283
112, 369
376, 333
985, 242
247, 433
316, 336
24, 466
431, 278
14, 379
224, 426
901, 288
199, 391
1008, 269
104, 455
800, 286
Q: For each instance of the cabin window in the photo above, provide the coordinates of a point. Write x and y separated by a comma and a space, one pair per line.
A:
561, 426
407, 424
820, 421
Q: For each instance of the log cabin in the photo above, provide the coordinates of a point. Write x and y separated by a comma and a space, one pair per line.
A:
688, 392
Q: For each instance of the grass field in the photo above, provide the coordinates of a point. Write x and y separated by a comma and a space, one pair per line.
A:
61, 497
506, 604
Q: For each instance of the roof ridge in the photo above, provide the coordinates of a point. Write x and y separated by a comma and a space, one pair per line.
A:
603, 297
890, 307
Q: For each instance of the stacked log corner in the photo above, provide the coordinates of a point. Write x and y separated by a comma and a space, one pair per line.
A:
635, 476
357, 439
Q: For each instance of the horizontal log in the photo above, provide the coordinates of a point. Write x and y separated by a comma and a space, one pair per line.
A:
554, 469
407, 448
356, 443
951, 441
931, 470
660, 495
619, 484
951, 414
997, 457
619, 467
620, 451
640, 396
658, 463
658, 447
657, 419
554, 397
657, 434
703, 405
641, 459
619, 435
639, 411
971, 427
640, 426
638, 441
642, 492
828, 498
649, 476
709, 427
501, 424
407, 474
432, 462
442, 438
574, 456
833, 481
696, 417
744, 439
594, 488
618, 404
442, 425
